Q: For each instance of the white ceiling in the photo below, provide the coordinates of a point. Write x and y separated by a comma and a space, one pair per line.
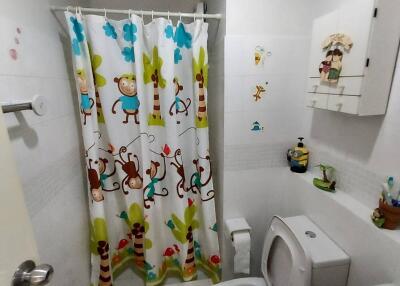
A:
159, 5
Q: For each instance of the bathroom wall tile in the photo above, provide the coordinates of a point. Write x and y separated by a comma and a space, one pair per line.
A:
246, 157
47, 149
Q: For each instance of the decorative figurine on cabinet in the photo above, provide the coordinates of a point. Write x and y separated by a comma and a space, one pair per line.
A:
326, 183
298, 157
331, 67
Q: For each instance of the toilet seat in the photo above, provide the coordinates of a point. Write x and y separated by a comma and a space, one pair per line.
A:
300, 272
251, 281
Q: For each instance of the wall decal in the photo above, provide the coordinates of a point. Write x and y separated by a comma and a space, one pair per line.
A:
259, 55
13, 54
260, 90
257, 127
331, 67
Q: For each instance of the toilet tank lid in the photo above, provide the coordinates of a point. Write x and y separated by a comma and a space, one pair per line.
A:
324, 252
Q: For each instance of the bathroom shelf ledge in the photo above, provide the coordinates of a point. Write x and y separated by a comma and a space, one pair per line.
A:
353, 205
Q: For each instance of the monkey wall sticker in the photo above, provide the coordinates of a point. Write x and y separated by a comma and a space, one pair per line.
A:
87, 103
150, 191
129, 99
180, 105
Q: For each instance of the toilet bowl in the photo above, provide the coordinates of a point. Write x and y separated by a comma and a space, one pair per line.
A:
297, 253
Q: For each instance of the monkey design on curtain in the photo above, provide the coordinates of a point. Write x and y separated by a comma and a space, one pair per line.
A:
143, 107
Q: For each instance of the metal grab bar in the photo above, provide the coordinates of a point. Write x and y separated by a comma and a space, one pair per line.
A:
37, 104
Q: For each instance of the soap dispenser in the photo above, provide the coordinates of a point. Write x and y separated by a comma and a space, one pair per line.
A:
298, 157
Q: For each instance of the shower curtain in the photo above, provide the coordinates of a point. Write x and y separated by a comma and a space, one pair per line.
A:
142, 99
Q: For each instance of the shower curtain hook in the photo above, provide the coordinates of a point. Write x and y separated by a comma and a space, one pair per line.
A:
76, 10
141, 11
180, 16
80, 11
68, 8
129, 14
168, 15
194, 17
105, 14
152, 15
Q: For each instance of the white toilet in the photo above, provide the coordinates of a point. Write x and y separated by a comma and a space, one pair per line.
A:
297, 253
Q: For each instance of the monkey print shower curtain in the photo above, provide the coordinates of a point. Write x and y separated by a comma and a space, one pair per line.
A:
142, 101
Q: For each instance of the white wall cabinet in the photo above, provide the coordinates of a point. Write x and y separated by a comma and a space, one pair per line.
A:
367, 68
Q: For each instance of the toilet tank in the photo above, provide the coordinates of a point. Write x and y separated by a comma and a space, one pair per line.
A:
330, 263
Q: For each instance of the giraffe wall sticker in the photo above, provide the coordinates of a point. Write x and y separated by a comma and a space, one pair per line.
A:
260, 89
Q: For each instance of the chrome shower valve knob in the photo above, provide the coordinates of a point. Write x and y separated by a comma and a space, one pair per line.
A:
28, 274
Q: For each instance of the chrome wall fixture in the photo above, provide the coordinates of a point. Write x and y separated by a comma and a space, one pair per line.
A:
37, 104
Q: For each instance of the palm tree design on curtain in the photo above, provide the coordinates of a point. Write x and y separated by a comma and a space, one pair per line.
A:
183, 232
99, 81
99, 246
200, 75
152, 73
138, 228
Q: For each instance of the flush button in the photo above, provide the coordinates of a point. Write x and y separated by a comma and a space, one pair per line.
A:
310, 234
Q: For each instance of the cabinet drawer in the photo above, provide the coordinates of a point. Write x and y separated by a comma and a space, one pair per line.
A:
343, 103
347, 86
314, 85
317, 100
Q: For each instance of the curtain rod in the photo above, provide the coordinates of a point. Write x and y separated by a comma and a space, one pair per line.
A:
138, 12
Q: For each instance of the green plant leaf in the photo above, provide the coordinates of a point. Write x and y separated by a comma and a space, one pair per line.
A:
180, 236
189, 214
146, 226
195, 224
96, 61
135, 214
93, 247
200, 65
148, 244
148, 69
151, 65
178, 223
99, 229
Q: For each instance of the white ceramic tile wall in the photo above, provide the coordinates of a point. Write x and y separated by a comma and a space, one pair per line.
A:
362, 149
47, 149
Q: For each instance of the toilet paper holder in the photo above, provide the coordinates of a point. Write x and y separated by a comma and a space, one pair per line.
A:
235, 225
